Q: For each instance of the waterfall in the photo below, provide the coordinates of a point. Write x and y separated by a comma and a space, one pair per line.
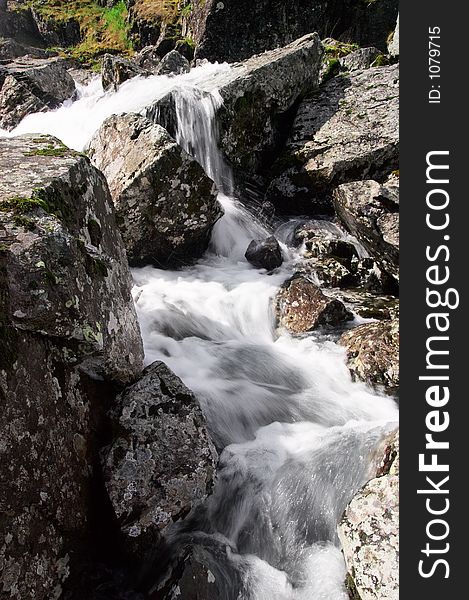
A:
294, 432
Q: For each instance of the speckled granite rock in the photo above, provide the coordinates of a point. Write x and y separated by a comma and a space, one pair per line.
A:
117, 69
369, 530
67, 325
30, 85
348, 131
370, 211
162, 463
301, 306
166, 205
373, 353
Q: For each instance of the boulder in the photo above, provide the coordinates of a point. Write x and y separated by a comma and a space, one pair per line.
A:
301, 306
162, 463
369, 531
11, 49
32, 84
166, 205
20, 26
393, 43
346, 132
63, 33
370, 212
363, 58
373, 353
69, 334
148, 59
258, 96
265, 254
117, 69
173, 63
233, 30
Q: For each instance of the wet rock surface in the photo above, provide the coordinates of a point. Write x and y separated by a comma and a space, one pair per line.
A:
373, 353
116, 69
32, 84
69, 334
173, 63
348, 131
162, 462
369, 530
301, 306
166, 205
370, 211
265, 254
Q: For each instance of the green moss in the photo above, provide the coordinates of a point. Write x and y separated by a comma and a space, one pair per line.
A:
21, 205
380, 61
351, 588
332, 69
339, 49
24, 222
51, 151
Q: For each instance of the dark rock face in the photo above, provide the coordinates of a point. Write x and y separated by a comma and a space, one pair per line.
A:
55, 33
116, 69
30, 85
265, 254
301, 306
236, 29
363, 58
166, 205
148, 59
373, 353
370, 212
11, 49
346, 132
68, 332
20, 26
162, 463
173, 63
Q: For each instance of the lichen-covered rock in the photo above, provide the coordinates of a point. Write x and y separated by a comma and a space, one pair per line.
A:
117, 69
370, 211
173, 63
166, 205
233, 30
373, 353
369, 530
68, 332
265, 254
162, 463
30, 85
346, 132
301, 306
362, 58
258, 95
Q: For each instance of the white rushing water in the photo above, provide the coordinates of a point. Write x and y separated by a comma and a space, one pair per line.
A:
295, 433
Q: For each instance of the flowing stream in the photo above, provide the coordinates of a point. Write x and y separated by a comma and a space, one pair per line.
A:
295, 434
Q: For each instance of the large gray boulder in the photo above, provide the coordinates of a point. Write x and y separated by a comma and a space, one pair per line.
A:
347, 131
32, 84
69, 334
166, 205
173, 63
369, 211
162, 463
233, 30
117, 69
258, 95
302, 307
373, 353
369, 530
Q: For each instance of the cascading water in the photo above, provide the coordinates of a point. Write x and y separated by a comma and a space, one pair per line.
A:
295, 434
